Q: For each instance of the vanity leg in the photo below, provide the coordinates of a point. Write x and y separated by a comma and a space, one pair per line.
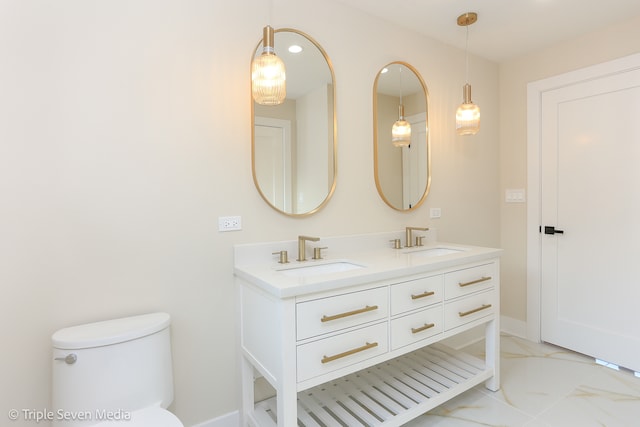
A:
247, 398
492, 351
287, 399
287, 407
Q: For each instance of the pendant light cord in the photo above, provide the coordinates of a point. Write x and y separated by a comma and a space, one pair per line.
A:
466, 56
400, 70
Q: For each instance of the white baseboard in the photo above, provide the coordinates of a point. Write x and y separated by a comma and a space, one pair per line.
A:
232, 419
515, 327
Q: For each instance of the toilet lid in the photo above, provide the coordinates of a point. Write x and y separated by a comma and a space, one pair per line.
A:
148, 417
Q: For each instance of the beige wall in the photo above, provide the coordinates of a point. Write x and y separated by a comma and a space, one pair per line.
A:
126, 134
604, 45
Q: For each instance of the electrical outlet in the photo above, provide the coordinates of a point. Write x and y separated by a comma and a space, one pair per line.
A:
229, 223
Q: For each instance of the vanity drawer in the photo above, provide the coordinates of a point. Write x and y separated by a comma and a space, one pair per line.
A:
465, 310
324, 315
328, 354
417, 326
415, 294
469, 280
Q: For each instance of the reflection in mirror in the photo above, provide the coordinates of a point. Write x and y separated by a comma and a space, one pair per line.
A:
402, 173
294, 144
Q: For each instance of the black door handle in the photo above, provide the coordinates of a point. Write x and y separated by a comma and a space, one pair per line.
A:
548, 229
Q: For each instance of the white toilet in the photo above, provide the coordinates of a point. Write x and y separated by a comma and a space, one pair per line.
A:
114, 373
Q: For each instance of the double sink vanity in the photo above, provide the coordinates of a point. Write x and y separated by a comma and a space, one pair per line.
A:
350, 331
353, 334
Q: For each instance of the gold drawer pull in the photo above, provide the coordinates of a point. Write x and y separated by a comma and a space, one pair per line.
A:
367, 346
473, 282
422, 295
475, 310
348, 313
422, 328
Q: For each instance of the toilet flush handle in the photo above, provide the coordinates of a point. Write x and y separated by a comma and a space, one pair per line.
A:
69, 359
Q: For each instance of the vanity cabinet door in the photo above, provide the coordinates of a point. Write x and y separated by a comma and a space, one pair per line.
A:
414, 294
468, 309
416, 327
328, 354
469, 280
324, 315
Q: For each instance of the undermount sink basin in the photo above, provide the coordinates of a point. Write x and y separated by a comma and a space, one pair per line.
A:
429, 252
319, 269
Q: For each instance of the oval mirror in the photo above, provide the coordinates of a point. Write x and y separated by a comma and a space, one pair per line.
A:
401, 164
293, 145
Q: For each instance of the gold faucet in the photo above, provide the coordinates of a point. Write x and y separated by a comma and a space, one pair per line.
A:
409, 243
301, 246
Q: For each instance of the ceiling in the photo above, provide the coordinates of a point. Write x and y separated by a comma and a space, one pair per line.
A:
505, 28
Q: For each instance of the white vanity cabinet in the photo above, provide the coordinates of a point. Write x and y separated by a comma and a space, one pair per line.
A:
367, 352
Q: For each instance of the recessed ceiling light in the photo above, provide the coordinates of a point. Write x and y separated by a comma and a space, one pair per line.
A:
294, 48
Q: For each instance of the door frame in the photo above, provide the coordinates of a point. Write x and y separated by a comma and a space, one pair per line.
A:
535, 90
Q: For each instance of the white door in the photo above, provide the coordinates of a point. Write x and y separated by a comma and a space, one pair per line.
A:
590, 206
272, 161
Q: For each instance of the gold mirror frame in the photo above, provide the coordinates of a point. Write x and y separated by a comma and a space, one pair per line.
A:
291, 196
398, 175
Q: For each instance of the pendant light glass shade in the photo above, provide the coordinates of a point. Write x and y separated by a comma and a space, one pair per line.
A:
401, 130
268, 77
467, 115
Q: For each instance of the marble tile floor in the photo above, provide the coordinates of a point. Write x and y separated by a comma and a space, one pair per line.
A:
543, 386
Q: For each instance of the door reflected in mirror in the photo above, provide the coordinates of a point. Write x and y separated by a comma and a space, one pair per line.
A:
402, 168
294, 144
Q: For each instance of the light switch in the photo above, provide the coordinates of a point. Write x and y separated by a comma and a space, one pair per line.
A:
515, 195
435, 213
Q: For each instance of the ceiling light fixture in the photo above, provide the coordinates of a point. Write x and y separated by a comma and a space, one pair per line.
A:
468, 113
268, 77
401, 130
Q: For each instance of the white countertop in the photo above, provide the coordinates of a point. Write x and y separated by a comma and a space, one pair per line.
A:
255, 263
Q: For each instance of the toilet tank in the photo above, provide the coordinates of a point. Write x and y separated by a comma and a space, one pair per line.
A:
116, 366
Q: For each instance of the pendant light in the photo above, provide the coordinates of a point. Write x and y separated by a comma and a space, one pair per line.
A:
401, 130
268, 77
468, 113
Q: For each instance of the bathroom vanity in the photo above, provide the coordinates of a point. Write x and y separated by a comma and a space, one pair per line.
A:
357, 336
